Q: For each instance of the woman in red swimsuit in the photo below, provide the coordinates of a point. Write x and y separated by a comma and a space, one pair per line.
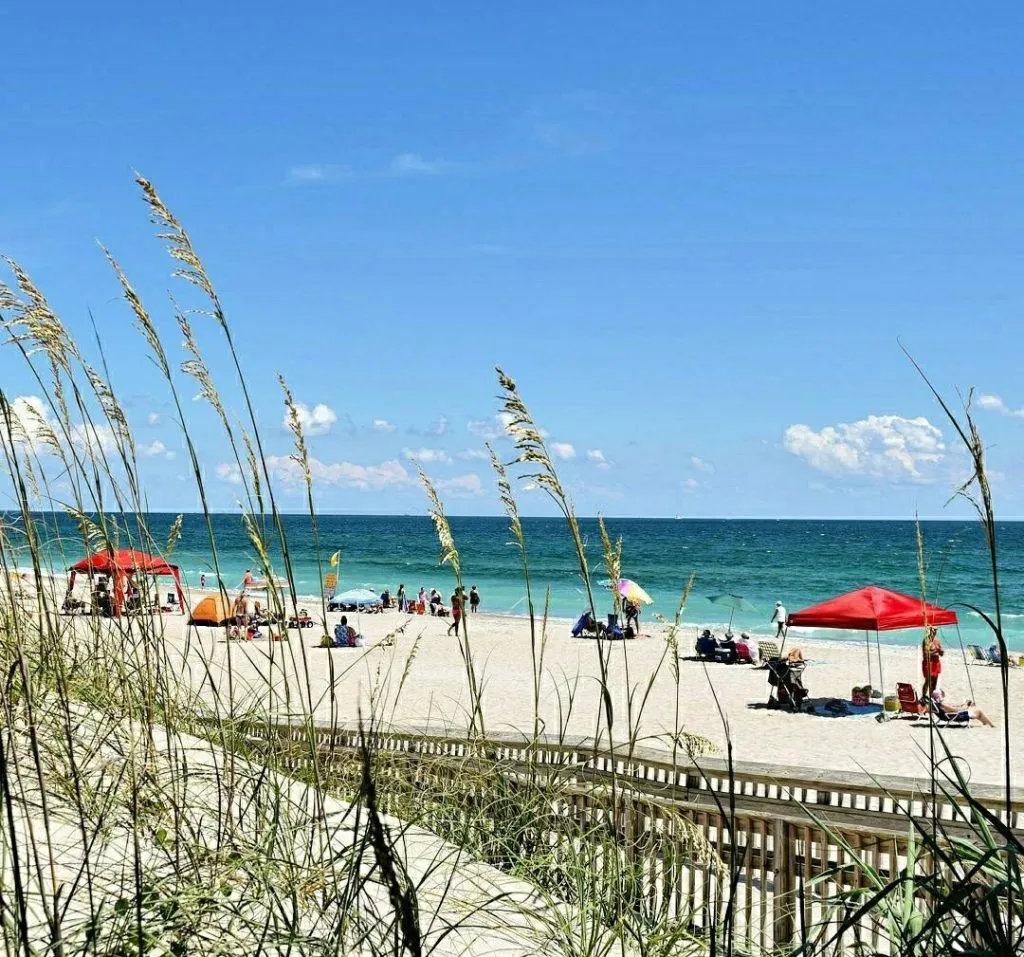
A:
931, 661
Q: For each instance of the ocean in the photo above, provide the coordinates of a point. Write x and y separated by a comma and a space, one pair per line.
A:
797, 562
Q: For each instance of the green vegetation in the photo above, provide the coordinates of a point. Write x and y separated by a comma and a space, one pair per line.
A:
147, 813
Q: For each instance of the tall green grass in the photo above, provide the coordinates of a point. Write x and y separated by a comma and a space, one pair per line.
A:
152, 805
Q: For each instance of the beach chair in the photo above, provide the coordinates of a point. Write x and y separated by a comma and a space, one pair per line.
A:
961, 719
995, 658
978, 654
767, 651
910, 705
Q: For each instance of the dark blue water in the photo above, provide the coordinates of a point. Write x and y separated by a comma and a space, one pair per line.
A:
799, 562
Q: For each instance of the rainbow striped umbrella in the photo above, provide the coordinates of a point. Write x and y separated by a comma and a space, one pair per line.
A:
631, 591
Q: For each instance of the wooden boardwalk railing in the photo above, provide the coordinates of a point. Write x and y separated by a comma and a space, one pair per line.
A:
783, 833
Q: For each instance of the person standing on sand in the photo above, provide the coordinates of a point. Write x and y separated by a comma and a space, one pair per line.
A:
931, 661
422, 600
779, 616
456, 613
474, 600
202, 580
247, 581
401, 598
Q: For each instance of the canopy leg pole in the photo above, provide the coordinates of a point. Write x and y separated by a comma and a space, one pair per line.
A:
867, 643
967, 667
881, 673
731, 613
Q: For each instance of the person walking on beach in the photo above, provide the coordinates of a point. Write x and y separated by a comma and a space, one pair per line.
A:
247, 581
931, 661
779, 617
456, 613
202, 580
474, 600
402, 603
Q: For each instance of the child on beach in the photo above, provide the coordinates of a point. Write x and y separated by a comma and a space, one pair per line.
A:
931, 661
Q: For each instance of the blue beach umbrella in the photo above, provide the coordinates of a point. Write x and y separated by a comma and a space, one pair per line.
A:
734, 603
360, 597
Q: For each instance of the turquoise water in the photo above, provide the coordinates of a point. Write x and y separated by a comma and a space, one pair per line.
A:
799, 562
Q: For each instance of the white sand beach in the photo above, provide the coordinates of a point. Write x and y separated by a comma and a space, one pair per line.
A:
342, 681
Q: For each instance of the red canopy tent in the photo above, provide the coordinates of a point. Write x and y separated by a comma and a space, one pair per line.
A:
873, 609
121, 565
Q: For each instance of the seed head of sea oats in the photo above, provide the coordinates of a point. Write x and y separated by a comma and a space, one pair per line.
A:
141, 315
301, 455
449, 553
179, 246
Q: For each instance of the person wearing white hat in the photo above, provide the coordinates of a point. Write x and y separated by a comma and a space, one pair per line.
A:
779, 617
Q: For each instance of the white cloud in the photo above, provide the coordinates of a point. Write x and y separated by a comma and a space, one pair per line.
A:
341, 473
700, 465
382, 425
462, 485
691, 485
499, 426
229, 472
880, 446
33, 427
307, 174
314, 421
563, 450
156, 449
598, 458
486, 429
480, 454
412, 164
153, 418
995, 404
30, 421
426, 455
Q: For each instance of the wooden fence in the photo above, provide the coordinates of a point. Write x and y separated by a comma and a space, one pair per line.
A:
783, 836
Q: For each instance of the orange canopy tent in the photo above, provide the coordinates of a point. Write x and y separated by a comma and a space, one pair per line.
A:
121, 565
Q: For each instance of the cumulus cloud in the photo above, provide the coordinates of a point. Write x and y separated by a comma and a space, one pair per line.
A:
33, 427
469, 484
229, 472
880, 446
563, 450
995, 404
700, 465
480, 454
486, 429
426, 455
156, 449
382, 425
346, 474
691, 485
314, 421
598, 458
153, 418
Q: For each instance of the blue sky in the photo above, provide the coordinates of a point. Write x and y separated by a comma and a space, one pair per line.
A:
692, 232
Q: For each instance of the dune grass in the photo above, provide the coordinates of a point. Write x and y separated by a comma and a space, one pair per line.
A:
145, 815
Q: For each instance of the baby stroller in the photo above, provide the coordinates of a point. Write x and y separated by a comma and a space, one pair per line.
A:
785, 683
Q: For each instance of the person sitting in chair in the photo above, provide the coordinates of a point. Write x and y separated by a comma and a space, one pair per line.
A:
344, 634
952, 710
